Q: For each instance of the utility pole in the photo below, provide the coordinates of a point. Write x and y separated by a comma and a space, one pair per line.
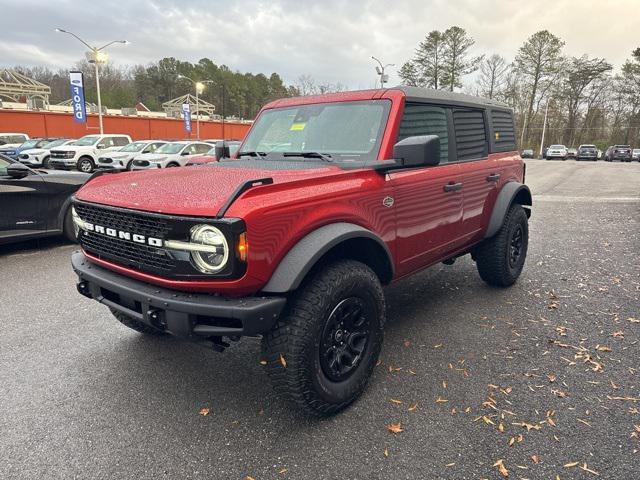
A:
95, 55
544, 128
384, 78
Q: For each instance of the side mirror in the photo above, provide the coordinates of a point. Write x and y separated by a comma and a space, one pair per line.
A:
222, 150
423, 150
101, 146
18, 170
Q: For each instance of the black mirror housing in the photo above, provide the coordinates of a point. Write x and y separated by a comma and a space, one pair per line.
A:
18, 170
222, 150
422, 150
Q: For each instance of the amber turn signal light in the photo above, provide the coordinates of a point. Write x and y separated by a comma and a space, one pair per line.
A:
242, 248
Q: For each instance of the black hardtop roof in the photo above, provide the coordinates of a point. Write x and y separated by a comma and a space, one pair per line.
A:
419, 94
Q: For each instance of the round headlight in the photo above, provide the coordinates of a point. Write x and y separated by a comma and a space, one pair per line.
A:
215, 255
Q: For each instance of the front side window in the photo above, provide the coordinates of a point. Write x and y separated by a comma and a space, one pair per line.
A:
346, 131
420, 120
120, 141
30, 144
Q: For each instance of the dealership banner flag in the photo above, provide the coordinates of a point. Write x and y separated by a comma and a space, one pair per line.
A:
186, 113
77, 97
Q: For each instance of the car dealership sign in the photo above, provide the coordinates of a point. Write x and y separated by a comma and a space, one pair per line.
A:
77, 97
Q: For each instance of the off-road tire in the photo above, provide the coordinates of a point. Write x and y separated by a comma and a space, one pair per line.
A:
292, 349
136, 325
87, 160
492, 255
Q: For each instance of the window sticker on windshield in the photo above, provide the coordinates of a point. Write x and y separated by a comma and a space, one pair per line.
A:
297, 127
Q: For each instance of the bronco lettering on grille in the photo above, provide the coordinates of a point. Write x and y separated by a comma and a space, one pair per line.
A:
111, 232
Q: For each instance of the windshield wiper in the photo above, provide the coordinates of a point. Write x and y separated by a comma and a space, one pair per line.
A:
322, 156
252, 154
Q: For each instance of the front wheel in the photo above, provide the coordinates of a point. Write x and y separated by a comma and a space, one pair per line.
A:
323, 349
500, 259
85, 164
45, 162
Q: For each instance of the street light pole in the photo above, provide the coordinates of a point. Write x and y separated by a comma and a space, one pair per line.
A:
544, 128
96, 57
380, 70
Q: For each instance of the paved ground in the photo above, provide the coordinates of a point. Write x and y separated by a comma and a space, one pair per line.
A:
543, 378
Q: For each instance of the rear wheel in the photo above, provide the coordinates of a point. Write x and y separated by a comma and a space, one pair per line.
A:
323, 349
500, 259
172, 164
86, 165
45, 162
134, 324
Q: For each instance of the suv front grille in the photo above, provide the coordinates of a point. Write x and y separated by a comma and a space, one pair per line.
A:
61, 154
131, 254
127, 221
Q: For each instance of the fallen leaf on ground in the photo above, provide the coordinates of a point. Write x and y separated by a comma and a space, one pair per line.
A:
395, 428
283, 362
204, 412
570, 465
501, 468
397, 402
441, 400
413, 406
386, 452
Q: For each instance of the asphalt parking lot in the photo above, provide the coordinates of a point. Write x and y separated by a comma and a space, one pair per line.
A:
539, 381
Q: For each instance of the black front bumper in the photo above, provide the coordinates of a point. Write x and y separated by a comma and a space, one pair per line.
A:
196, 317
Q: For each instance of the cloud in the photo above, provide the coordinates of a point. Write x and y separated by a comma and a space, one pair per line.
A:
331, 40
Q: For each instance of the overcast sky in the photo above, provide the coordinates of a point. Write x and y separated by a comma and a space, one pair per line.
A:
331, 40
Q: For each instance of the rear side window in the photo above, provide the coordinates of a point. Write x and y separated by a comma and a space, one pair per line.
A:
426, 120
120, 141
471, 137
504, 137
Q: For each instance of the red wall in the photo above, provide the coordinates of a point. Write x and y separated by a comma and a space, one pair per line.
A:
53, 124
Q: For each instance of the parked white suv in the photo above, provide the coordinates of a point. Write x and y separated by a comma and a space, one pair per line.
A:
39, 157
121, 159
173, 154
12, 140
83, 153
557, 151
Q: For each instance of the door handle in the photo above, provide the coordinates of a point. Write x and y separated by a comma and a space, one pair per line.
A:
452, 187
494, 177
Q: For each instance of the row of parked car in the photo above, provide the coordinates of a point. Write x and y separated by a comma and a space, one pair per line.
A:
623, 153
111, 152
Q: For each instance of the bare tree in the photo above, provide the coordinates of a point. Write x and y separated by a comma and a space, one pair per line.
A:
493, 75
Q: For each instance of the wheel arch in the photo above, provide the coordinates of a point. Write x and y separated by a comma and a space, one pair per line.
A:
327, 243
511, 193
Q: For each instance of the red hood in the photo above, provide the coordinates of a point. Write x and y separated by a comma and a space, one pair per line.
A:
193, 191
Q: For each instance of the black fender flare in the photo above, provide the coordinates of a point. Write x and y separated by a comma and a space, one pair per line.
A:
512, 191
297, 263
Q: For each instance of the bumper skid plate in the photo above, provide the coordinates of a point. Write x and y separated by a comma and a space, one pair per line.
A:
196, 317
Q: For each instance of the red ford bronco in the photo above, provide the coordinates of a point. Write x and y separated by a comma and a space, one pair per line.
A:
328, 199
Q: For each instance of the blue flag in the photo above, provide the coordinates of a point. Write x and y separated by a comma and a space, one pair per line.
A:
77, 97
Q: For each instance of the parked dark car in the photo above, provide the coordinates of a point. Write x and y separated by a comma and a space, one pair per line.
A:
527, 153
35, 203
587, 152
618, 152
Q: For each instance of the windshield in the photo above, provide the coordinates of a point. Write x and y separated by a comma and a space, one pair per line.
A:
557, 146
588, 146
343, 130
623, 146
55, 143
29, 144
170, 148
87, 140
134, 147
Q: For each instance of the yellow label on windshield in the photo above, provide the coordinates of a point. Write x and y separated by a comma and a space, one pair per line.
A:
297, 127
